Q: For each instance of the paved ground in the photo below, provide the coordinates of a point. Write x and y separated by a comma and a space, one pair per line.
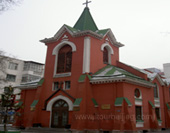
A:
54, 130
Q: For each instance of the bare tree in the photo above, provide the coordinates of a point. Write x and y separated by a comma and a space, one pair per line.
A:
3, 66
7, 4
2, 61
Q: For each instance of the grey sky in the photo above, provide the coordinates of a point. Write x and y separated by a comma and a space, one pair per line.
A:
143, 26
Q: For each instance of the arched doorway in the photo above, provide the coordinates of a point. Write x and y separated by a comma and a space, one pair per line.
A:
59, 114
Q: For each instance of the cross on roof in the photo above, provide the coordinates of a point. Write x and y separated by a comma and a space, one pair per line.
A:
86, 3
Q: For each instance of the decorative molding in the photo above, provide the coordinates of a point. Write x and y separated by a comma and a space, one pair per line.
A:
107, 39
86, 55
121, 79
65, 38
52, 101
109, 48
62, 75
138, 101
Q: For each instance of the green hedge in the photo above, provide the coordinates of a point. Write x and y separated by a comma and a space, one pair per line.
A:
10, 132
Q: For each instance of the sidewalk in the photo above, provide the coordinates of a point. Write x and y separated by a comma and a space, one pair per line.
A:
58, 130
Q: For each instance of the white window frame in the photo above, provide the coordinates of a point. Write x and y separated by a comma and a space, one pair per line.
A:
64, 85
55, 52
53, 88
110, 51
13, 66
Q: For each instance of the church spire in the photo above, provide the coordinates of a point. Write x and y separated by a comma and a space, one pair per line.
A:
86, 22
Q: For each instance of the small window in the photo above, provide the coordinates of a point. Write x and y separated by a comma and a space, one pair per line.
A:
11, 78
56, 86
157, 111
137, 93
105, 56
156, 91
13, 66
67, 85
138, 112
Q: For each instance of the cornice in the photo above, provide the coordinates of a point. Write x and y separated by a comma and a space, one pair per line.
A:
122, 79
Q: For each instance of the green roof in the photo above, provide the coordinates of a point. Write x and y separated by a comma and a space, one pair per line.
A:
111, 71
127, 101
119, 101
153, 106
34, 103
168, 106
41, 82
102, 32
86, 22
19, 104
72, 29
94, 101
77, 102
82, 78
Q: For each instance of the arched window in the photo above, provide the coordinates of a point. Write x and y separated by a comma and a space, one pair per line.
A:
105, 56
107, 52
156, 93
64, 59
137, 93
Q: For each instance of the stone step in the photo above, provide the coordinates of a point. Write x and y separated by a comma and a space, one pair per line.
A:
46, 130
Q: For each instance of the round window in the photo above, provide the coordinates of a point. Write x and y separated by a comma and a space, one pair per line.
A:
137, 93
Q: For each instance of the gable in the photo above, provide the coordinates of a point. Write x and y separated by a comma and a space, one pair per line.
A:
64, 93
99, 34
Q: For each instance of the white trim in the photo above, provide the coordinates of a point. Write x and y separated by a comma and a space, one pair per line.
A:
56, 50
138, 102
62, 75
52, 101
110, 50
140, 97
157, 102
119, 79
139, 124
86, 55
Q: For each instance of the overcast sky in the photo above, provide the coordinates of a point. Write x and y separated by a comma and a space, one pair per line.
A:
143, 26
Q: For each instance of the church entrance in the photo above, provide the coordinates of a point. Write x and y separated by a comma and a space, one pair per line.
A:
59, 114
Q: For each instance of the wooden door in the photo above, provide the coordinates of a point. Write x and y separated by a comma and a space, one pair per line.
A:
59, 114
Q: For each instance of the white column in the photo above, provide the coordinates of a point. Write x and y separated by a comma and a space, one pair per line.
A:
86, 55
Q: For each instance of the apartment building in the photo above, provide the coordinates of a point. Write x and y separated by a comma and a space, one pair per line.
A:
14, 71
166, 67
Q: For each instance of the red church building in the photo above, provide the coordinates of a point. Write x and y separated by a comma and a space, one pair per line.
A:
86, 87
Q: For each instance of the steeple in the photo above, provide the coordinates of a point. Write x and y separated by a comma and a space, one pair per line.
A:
86, 22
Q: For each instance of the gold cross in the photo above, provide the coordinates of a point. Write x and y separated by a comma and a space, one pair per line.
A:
86, 3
